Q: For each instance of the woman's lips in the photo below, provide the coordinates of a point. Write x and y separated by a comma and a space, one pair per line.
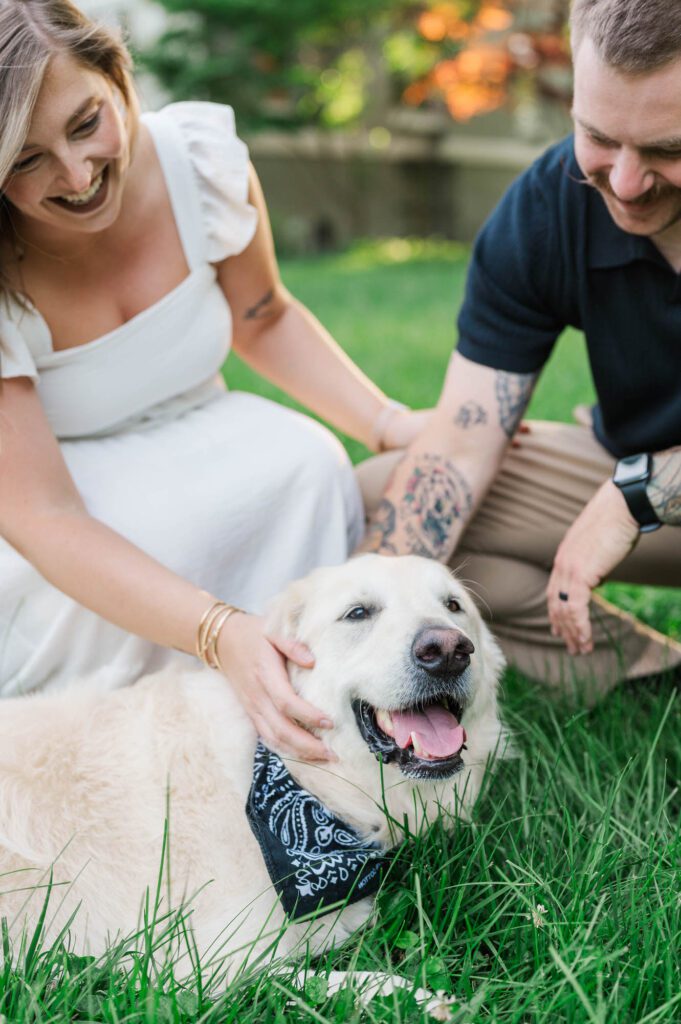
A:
92, 204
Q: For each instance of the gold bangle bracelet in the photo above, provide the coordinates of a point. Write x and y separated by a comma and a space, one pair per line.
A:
229, 611
211, 637
204, 626
378, 427
208, 633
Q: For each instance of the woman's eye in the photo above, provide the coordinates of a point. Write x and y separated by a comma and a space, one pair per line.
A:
90, 125
452, 605
358, 613
26, 164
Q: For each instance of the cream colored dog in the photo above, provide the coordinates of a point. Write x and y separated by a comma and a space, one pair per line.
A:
405, 669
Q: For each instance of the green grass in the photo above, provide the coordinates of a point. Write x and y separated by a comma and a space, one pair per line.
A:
583, 822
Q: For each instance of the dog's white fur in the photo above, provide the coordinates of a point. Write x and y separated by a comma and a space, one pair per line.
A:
87, 780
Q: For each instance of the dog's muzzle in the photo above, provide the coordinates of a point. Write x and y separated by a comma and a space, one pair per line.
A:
425, 737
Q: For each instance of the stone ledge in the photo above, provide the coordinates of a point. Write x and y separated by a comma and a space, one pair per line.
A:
450, 149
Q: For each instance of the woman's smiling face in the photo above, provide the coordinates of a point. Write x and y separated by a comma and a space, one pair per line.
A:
70, 173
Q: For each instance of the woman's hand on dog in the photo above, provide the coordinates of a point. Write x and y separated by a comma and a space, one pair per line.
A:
255, 665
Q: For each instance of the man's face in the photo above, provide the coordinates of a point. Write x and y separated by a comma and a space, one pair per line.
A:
628, 141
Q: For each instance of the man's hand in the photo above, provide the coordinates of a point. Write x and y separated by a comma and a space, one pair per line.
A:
599, 539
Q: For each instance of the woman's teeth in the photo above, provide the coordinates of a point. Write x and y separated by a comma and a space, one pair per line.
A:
80, 198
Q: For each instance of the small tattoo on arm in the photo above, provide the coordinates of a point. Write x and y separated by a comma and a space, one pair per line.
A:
260, 311
664, 486
470, 414
437, 495
513, 391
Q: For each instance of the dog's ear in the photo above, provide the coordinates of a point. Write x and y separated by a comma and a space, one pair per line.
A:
284, 612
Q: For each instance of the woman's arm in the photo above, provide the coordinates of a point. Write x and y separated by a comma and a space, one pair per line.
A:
43, 517
285, 343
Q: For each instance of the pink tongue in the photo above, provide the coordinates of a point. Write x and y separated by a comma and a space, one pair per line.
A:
436, 730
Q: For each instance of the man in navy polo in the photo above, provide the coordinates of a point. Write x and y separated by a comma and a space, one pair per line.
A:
589, 236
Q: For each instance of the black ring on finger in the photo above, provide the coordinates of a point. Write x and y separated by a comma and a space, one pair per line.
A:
562, 596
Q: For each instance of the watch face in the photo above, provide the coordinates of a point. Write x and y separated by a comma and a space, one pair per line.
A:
631, 469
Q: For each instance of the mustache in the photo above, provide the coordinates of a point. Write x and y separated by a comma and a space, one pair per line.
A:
600, 181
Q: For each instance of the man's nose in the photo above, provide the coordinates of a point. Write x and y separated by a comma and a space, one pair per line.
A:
629, 177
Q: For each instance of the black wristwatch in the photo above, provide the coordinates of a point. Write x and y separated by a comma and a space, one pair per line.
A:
631, 475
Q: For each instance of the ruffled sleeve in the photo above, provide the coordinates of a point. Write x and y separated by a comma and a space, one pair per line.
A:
16, 359
220, 163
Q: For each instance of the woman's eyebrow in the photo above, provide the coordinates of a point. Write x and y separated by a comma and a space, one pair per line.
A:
74, 117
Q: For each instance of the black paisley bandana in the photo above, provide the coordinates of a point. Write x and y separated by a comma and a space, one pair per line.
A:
313, 857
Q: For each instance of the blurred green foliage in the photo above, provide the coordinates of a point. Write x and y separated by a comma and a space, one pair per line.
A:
283, 63
280, 63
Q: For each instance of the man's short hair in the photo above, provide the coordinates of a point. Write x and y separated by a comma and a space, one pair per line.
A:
634, 36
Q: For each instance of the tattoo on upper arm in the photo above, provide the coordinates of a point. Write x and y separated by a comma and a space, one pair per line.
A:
436, 495
664, 486
470, 414
260, 311
513, 392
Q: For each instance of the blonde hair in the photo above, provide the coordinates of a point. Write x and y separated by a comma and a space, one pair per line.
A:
31, 33
634, 36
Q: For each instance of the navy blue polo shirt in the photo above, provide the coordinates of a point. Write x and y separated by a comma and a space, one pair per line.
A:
550, 256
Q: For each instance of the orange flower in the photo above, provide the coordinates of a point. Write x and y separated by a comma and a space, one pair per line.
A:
432, 26
442, 20
493, 18
445, 73
483, 63
465, 101
416, 93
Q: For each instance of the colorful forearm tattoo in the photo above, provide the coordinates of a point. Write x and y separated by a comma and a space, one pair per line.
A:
435, 496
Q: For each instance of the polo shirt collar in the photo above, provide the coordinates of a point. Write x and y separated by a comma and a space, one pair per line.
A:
609, 246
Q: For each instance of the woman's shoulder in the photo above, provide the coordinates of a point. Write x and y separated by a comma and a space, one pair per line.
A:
206, 132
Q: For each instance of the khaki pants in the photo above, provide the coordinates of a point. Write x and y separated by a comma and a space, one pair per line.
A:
506, 553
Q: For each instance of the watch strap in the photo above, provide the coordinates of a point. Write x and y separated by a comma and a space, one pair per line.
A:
635, 494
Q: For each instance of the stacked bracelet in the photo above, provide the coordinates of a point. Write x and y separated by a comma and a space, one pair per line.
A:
379, 425
209, 631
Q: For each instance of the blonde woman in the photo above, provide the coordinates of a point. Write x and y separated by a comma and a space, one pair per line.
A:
136, 494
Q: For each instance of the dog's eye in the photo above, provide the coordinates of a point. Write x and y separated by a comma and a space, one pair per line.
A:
452, 605
357, 613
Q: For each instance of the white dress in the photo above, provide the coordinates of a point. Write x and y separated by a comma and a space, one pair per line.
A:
233, 492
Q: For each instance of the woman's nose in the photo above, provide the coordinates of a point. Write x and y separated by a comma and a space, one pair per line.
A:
76, 174
630, 178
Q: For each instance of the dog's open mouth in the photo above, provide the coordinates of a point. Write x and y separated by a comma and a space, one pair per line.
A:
425, 740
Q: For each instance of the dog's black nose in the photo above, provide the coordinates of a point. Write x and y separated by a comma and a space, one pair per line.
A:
442, 652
